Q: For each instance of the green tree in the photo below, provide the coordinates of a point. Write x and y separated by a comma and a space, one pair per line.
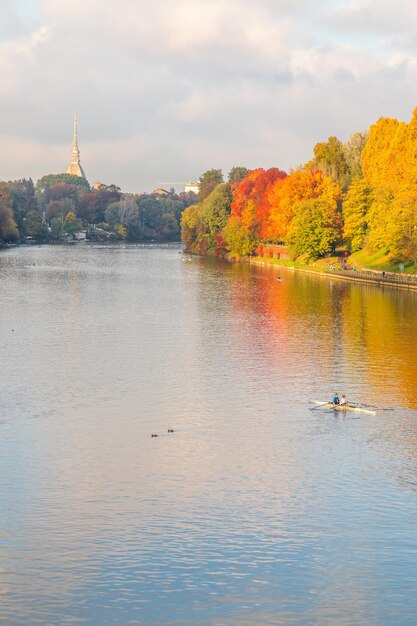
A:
240, 241
22, 197
329, 157
353, 149
35, 227
56, 228
8, 227
170, 227
314, 230
215, 210
112, 214
208, 182
50, 180
237, 174
355, 210
71, 223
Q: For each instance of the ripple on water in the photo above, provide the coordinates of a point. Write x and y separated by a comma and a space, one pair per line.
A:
256, 510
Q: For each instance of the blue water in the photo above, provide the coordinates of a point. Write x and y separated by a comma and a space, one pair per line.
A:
257, 510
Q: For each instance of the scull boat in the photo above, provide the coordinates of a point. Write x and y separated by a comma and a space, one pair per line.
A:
343, 407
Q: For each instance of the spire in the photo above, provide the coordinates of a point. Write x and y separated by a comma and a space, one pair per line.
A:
75, 142
75, 165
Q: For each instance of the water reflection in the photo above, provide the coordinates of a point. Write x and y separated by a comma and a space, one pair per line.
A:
255, 510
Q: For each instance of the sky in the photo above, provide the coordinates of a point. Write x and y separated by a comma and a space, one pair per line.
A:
165, 90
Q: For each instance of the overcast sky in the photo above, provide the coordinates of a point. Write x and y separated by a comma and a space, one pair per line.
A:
167, 89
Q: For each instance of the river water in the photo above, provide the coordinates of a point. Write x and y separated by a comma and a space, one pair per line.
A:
256, 510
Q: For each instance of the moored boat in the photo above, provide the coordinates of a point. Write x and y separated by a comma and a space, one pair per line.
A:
345, 407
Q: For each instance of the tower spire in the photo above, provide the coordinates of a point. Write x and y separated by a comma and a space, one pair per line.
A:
75, 166
75, 142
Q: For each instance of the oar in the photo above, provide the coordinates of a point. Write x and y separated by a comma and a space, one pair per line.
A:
371, 406
319, 405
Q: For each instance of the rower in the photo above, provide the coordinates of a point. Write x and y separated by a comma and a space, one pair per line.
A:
343, 400
336, 399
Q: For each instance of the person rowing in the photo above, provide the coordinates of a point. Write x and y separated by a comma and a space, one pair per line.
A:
343, 401
336, 399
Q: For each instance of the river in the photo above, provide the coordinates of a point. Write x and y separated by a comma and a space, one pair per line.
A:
256, 510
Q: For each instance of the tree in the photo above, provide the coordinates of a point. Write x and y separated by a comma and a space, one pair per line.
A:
58, 208
329, 158
353, 149
71, 223
22, 199
237, 174
35, 227
207, 183
190, 227
170, 227
240, 241
286, 194
315, 229
8, 226
112, 214
355, 211
56, 228
215, 210
383, 158
93, 204
402, 225
129, 212
50, 180
60, 192
251, 199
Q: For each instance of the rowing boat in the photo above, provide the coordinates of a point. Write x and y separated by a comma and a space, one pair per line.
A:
344, 407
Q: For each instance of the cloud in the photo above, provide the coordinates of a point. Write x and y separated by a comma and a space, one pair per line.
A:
166, 90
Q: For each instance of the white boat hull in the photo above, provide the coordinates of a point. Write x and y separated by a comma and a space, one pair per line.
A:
344, 408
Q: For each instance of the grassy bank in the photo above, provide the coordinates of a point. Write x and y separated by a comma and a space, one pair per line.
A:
361, 260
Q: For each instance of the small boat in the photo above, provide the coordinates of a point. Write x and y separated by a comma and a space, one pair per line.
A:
355, 408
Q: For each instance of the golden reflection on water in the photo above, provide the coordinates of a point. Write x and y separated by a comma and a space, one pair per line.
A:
355, 331
255, 510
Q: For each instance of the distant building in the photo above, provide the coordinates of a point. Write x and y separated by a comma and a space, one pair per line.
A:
75, 166
193, 187
160, 192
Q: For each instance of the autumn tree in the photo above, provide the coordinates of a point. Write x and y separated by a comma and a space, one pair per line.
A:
251, 200
330, 158
353, 149
208, 182
315, 228
240, 240
356, 206
93, 204
191, 227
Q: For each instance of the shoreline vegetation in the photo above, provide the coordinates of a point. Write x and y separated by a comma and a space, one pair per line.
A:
63, 208
353, 206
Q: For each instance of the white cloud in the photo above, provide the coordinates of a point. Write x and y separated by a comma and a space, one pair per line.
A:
168, 89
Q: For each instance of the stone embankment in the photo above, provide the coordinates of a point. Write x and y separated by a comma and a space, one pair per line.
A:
408, 281
390, 279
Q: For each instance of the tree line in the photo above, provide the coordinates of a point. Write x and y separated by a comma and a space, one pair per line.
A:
59, 205
361, 194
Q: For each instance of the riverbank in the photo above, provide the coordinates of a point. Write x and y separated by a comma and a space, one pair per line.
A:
329, 269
